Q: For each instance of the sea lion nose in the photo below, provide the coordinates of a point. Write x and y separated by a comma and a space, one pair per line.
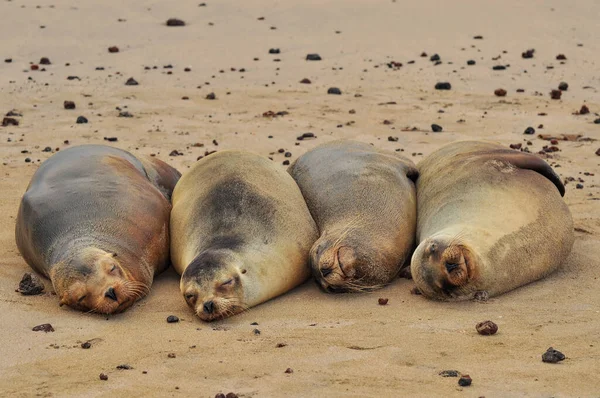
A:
111, 294
451, 266
326, 271
209, 307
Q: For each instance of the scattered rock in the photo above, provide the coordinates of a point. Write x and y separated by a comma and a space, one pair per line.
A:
434, 58
579, 186
597, 121
175, 152
334, 90
382, 301
231, 395
9, 121
465, 381
86, 345
561, 57
171, 355
471, 62
124, 367
131, 82
211, 96
499, 67
436, 128
449, 373
486, 328
34, 67
113, 49
500, 92
313, 57
305, 136
528, 53
45, 327
175, 22
305, 81
443, 86
81, 120
563, 86
8, 60
274, 51
111, 139
289, 370
45, 61
479, 37
69, 105
103, 377
256, 332
555, 94
584, 110
30, 285
172, 319
392, 139
281, 345
220, 395
125, 114
552, 356
529, 131
516, 146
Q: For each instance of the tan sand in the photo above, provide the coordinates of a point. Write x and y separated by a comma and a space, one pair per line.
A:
337, 345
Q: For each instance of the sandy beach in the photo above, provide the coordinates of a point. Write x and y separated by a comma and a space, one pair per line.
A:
378, 54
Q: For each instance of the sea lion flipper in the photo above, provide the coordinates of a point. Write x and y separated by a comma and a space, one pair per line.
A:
163, 176
529, 161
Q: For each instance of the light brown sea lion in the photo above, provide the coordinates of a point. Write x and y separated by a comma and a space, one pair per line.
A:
364, 203
490, 220
95, 220
241, 233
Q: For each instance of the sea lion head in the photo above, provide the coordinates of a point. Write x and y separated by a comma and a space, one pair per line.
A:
444, 268
344, 264
212, 285
94, 280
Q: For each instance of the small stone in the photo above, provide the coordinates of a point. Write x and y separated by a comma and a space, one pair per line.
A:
516, 146
436, 128
597, 121
125, 114
211, 96
131, 82
443, 86
529, 131
289, 370
486, 328
313, 57
434, 58
113, 49
9, 121
111, 139
47, 149
584, 110
520, 90
45, 327
561, 57
274, 51
281, 345
81, 120
305, 81
287, 154
34, 67
334, 91
552, 356
555, 94
8, 60
256, 332
45, 61
392, 139
579, 186
187, 69
449, 373
500, 92
86, 345
124, 367
479, 37
175, 22
465, 381
471, 62
172, 319
528, 53
305, 136
103, 377
27, 160
30, 285
69, 105
382, 301
499, 67
563, 86
553, 141
220, 395
231, 395
171, 355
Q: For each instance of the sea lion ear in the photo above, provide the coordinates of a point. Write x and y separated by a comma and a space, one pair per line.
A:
114, 254
527, 161
412, 173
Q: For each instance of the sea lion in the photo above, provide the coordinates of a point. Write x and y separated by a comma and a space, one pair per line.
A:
241, 233
95, 220
490, 220
364, 203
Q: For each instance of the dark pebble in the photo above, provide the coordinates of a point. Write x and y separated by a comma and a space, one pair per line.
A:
528, 53
211, 96
563, 86
30, 285
500, 92
81, 120
103, 377
256, 332
552, 356
334, 90
471, 62
561, 57
175, 152
305, 136
45, 61
486, 328
34, 67
478, 37
520, 90
187, 69
579, 186
392, 139
584, 110
499, 67
27, 160
171, 355
73, 78
465, 381
125, 114
305, 81
172, 319
69, 105
175, 22
220, 395
285, 163
86, 345
124, 367
436, 128
274, 51
9, 121
111, 139
8, 60
113, 49
443, 86
231, 395
516, 146
288, 155
46, 327
449, 373
313, 57
289, 370
131, 82
529, 131
597, 121
382, 301
47, 149
434, 58
555, 94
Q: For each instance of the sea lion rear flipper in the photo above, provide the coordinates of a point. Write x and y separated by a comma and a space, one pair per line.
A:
163, 176
528, 161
